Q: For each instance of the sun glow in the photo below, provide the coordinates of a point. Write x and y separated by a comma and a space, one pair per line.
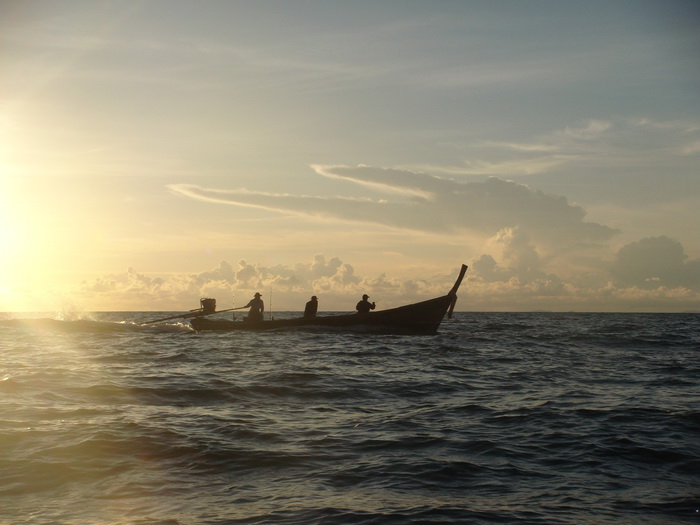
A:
10, 263
17, 244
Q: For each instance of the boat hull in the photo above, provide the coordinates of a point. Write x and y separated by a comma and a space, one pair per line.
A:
418, 318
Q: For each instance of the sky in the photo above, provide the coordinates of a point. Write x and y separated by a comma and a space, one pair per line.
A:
156, 152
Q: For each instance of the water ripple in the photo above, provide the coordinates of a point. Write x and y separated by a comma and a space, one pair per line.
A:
501, 418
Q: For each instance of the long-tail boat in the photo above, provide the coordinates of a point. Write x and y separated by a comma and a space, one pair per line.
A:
418, 318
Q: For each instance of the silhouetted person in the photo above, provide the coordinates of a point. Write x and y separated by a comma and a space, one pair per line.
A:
365, 306
257, 307
311, 307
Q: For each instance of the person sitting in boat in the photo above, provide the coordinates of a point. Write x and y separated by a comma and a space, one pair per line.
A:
311, 307
257, 307
364, 306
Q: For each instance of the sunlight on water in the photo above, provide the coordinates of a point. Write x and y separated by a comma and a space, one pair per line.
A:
70, 311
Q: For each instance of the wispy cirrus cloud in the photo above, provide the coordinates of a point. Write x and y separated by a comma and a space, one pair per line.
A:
512, 167
427, 203
594, 145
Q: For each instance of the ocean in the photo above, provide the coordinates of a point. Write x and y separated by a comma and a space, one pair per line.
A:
541, 418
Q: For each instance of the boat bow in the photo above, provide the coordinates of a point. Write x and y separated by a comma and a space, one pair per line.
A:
453, 291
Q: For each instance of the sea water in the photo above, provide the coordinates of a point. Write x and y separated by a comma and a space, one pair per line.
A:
500, 418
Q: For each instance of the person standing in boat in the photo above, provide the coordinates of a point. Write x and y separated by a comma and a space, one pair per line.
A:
257, 307
311, 307
364, 306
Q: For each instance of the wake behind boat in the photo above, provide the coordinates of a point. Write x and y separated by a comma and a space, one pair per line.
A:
418, 318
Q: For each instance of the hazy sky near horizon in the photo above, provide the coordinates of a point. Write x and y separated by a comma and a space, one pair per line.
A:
152, 153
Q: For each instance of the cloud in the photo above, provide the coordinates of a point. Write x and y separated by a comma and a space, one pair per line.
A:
594, 129
332, 278
128, 282
513, 277
527, 248
521, 146
653, 274
655, 261
691, 148
516, 261
224, 273
327, 275
597, 146
426, 203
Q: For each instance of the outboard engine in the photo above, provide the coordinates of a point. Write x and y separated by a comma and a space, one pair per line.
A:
208, 306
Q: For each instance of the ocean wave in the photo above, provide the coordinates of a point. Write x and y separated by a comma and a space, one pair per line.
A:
92, 326
501, 418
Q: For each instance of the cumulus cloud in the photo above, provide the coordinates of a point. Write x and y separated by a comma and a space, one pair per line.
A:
518, 258
128, 282
427, 203
224, 272
653, 274
654, 262
517, 267
335, 280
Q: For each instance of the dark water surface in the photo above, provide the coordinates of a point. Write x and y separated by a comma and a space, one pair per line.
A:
501, 418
